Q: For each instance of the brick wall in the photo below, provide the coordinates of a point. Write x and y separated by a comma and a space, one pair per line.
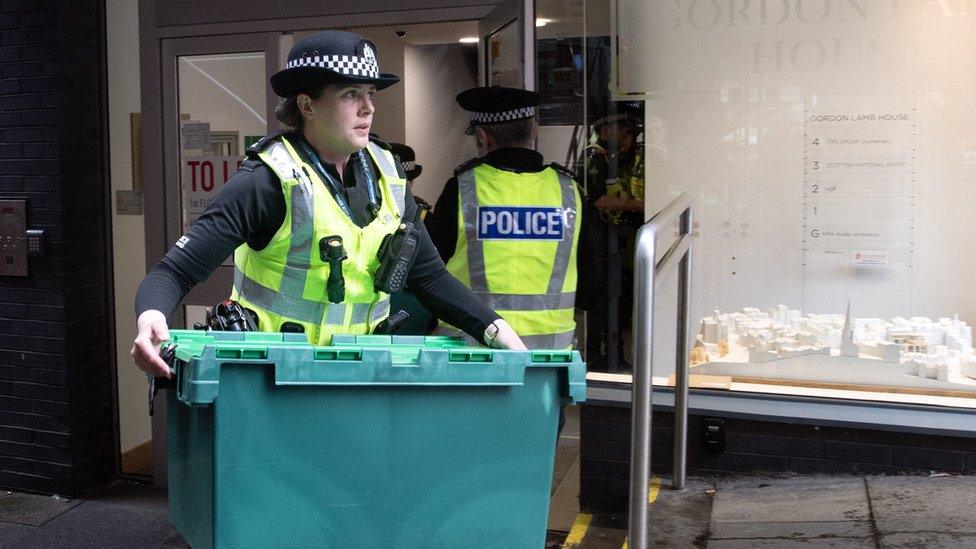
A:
754, 447
56, 415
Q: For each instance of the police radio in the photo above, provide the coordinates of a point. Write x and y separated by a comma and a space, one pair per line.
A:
396, 254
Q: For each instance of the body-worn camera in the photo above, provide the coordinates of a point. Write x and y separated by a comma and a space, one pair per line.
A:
396, 254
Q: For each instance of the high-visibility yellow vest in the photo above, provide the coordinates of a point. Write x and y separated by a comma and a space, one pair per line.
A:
516, 249
286, 281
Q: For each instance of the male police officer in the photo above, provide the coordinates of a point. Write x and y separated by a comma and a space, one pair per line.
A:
508, 225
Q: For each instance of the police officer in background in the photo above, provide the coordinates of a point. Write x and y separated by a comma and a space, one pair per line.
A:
508, 225
419, 321
407, 158
614, 176
306, 202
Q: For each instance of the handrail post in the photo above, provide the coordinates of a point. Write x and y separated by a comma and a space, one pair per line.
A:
640, 426
681, 384
645, 279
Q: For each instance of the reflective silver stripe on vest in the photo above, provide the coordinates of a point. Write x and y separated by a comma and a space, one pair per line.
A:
552, 341
336, 315
380, 311
360, 312
287, 306
565, 248
399, 195
469, 216
389, 172
528, 302
300, 247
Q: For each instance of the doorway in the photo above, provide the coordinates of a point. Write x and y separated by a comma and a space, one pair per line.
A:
216, 101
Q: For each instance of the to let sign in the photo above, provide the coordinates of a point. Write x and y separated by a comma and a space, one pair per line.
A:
203, 176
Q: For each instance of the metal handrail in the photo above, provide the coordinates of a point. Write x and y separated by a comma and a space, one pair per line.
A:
647, 274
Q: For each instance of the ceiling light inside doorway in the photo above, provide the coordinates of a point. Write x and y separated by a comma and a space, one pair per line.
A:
468, 40
540, 22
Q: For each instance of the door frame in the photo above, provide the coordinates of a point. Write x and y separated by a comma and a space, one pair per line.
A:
217, 286
165, 34
523, 13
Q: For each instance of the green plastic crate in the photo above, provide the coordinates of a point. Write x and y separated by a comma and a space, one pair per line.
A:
375, 441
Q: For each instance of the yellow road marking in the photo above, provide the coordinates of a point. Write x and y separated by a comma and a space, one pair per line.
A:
653, 489
578, 531
582, 522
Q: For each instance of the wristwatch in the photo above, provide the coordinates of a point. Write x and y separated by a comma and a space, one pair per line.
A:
491, 332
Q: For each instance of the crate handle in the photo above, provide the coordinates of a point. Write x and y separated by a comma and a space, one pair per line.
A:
246, 354
469, 356
561, 357
335, 354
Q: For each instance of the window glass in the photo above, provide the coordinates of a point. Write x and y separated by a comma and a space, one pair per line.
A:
829, 150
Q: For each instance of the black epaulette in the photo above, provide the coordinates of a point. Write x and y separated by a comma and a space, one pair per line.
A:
470, 164
253, 150
250, 164
562, 169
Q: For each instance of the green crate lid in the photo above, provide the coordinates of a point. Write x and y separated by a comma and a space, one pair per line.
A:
361, 360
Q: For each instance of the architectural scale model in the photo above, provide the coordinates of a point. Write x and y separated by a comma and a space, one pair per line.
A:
939, 350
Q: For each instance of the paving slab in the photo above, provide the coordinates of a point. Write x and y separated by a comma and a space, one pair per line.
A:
793, 499
32, 509
928, 540
790, 530
93, 524
123, 515
564, 504
11, 533
924, 504
681, 519
845, 543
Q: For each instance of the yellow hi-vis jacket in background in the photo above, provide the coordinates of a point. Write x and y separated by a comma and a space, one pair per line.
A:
516, 249
286, 281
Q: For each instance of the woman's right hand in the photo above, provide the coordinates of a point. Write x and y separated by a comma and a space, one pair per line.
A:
152, 332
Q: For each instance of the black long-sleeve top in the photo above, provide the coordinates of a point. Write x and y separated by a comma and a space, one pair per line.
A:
442, 223
250, 209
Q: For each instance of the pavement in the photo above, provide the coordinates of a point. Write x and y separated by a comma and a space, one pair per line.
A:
718, 513
799, 512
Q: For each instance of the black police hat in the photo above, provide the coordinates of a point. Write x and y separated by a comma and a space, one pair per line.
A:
629, 112
408, 160
496, 104
329, 57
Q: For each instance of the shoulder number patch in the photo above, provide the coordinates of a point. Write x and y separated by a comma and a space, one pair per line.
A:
520, 223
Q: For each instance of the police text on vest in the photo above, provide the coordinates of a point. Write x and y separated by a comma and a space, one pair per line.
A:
520, 223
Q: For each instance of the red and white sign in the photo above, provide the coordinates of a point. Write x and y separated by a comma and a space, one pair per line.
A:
203, 177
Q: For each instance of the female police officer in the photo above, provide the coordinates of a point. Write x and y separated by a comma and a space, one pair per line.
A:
324, 183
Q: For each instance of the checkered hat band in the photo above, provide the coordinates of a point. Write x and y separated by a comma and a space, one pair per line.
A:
349, 65
503, 116
408, 165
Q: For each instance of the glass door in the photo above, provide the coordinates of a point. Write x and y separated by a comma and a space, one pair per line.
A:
216, 102
506, 45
